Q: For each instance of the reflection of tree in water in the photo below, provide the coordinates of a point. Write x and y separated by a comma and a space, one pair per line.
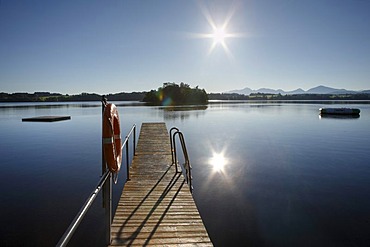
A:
182, 112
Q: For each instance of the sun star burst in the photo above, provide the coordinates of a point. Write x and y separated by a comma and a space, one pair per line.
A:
220, 33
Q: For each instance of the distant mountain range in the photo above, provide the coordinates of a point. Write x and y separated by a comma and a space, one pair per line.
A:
315, 90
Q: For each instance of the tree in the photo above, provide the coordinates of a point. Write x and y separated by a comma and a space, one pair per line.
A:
173, 94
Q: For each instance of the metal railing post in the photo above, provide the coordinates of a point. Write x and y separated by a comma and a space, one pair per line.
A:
127, 162
107, 187
174, 156
108, 208
134, 141
103, 104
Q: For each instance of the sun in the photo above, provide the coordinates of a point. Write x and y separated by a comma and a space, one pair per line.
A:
220, 32
219, 35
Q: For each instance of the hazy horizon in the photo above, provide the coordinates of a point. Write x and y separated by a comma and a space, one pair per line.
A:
192, 86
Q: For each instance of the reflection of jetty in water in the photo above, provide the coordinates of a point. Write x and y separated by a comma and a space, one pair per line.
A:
325, 116
183, 112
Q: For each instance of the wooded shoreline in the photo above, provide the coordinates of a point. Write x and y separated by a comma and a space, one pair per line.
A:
139, 96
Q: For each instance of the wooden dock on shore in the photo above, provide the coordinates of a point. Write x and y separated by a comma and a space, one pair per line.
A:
156, 206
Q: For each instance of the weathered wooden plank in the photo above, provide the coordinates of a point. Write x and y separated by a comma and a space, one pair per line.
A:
122, 219
174, 240
156, 207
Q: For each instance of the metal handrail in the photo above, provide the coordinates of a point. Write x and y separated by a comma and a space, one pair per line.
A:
186, 165
172, 151
106, 181
77, 220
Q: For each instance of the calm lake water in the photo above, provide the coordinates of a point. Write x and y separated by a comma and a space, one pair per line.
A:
265, 174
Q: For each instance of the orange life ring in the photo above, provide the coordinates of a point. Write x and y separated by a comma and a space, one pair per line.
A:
112, 138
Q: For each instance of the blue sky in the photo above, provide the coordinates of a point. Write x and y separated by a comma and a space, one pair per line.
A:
124, 46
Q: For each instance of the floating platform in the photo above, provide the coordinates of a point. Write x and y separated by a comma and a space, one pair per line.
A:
156, 206
46, 119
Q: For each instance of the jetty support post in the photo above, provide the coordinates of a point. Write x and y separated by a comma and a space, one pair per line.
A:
107, 189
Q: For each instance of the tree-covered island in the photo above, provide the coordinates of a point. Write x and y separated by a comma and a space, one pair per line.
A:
173, 94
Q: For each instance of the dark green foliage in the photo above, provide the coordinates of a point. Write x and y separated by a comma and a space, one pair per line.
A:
57, 97
27, 97
173, 94
152, 97
134, 96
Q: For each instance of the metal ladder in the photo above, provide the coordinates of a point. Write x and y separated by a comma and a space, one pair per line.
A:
186, 167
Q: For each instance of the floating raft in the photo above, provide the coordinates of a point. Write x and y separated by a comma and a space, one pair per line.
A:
46, 119
156, 206
339, 111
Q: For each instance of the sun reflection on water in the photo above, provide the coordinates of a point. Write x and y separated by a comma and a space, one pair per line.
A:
218, 161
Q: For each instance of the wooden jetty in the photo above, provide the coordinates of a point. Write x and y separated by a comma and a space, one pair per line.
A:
156, 206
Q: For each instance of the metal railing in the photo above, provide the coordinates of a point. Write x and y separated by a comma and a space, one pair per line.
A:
186, 167
105, 183
77, 220
125, 143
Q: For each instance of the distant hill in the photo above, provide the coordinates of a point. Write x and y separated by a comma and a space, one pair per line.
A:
315, 90
321, 90
297, 91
